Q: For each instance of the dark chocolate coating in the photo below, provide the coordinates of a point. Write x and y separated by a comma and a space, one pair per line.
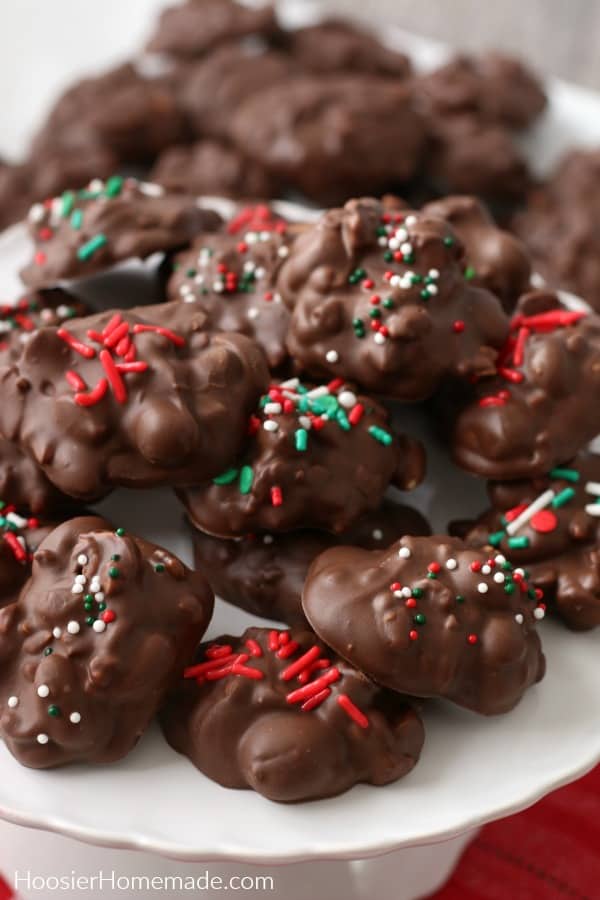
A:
212, 89
342, 472
349, 273
465, 635
231, 276
542, 410
134, 219
265, 574
16, 525
560, 225
333, 138
494, 87
193, 28
110, 665
178, 420
15, 193
243, 731
24, 484
561, 549
212, 167
69, 164
338, 46
121, 111
497, 260
37, 309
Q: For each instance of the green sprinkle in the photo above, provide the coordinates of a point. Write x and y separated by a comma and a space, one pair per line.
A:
226, 477
120, 532
86, 251
449, 241
460, 598
48, 651
420, 619
342, 420
301, 438
88, 605
115, 557
113, 186
409, 258
102, 607
381, 435
113, 572
417, 593
68, 202
159, 568
416, 278
54, 710
563, 497
531, 594
77, 220
388, 256
388, 303
518, 543
375, 313
246, 479
509, 588
565, 474
424, 294
381, 231
495, 539
470, 273
2, 504
90, 620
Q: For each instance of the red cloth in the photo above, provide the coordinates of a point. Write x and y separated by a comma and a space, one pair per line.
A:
549, 852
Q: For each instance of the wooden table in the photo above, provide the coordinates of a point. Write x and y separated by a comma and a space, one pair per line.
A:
558, 37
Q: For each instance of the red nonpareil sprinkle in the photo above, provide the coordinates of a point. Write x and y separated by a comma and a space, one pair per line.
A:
413, 635
317, 422
24, 321
45, 233
40, 258
315, 701
472, 639
458, 327
511, 375
320, 664
114, 377
163, 332
368, 283
288, 650
538, 596
268, 296
352, 710
15, 545
395, 586
75, 380
301, 663
374, 325
434, 567
242, 247
356, 414
273, 640
475, 566
74, 344
33, 523
375, 300
276, 496
310, 690
519, 350
254, 647
253, 425
335, 385
410, 602
116, 335
492, 401
108, 616
94, 396
384, 330
218, 650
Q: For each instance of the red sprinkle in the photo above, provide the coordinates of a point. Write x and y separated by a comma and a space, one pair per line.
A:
410, 602
352, 710
310, 690
254, 647
434, 567
40, 258
108, 616
472, 639
75, 380
544, 521
335, 385
74, 344
511, 375
519, 351
356, 414
15, 545
218, 650
288, 650
305, 676
316, 700
116, 335
114, 377
276, 496
273, 640
112, 323
492, 401
247, 672
164, 332
94, 396
301, 663
413, 635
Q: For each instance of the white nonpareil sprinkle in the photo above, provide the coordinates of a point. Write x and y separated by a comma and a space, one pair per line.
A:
332, 356
75, 718
43, 691
82, 559
451, 564
305, 422
519, 618
538, 613
347, 399
42, 738
485, 569
252, 313
379, 338
406, 592
268, 539
404, 553
283, 251
406, 249
377, 534
13, 702
37, 212
99, 596
56, 632
99, 626
77, 588
432, 289
73, 627
482, 587
499, 577
410, 220
80, 579
500, 559
270, 425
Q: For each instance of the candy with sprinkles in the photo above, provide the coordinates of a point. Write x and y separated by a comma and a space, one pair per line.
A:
313, 464
558, 543
20, 536
455, 636
386, 317
110, 677
275, 711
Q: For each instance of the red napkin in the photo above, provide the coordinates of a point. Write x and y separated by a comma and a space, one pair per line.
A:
549, 852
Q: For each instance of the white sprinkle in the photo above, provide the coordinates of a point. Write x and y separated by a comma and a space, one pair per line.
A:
485, 569
42, 738
75, 718
82, 559
540, 503
150, 189
285, 251
406, 249
95, 584
347, 399
305, 422
397, 594
80, 579
16, 520
382, 241
593, 487
77, 588
396, 281
401, 234
499, 577
519, 619
379, 338
538, 613
321, 391
519, 571
260, 272
13, 702
43, 691
249, 266
406, 592
393, 243
432, 289
99, 626
37, 213
270, 425
410, 220
73, 627
500, 559
251, 237
404, 553
377, 534
63, 311
99, 596
218, 287
482, 587
291, 384
252, 313
96, 184
268, 539
265, 235
332, 356
451, 564
56, 632
272, 409
593, 509
434, 273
